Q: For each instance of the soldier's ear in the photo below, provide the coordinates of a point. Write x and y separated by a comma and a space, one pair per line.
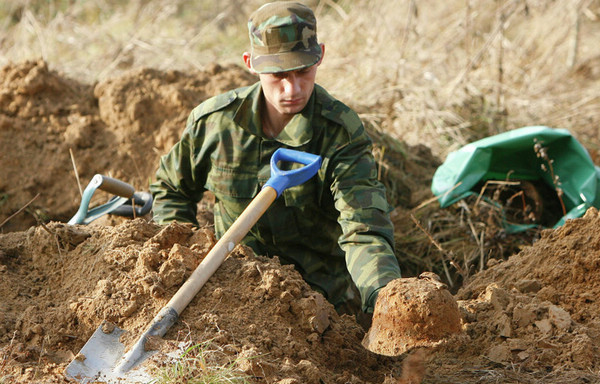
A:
246, 57
322, 54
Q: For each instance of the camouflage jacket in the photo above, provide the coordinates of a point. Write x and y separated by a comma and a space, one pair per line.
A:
336, 222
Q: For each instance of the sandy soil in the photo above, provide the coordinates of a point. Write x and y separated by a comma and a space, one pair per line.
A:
118, 128
530, 319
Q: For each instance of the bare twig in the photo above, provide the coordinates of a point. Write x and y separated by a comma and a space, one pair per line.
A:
479, 241
467, 34
76, 173
39, 33
7, 352
572, 58
39, 363
51, 233
542, 153
431, 200
499, 93
409, 15
20, 210
493, 182
477, 57
340, 11
481, 252
447, 255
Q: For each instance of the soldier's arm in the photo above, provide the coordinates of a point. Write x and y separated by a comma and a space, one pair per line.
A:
367, 231
179, 181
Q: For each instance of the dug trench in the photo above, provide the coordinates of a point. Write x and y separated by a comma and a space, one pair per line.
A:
530, 318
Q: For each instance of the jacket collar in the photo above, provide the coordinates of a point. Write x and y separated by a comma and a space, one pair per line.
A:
296, 133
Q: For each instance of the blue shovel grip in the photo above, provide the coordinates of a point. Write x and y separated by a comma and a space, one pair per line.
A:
282, 180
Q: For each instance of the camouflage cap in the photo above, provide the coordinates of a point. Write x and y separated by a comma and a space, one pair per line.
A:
283, 36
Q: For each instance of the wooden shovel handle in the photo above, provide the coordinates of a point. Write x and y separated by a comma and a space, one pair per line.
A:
224, 246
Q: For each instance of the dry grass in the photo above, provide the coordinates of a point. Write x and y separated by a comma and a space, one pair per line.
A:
456, 242
443, 72
203, 364
440, 73
94, 40
449, 72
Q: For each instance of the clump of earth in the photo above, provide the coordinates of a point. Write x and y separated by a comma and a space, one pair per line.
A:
531, 318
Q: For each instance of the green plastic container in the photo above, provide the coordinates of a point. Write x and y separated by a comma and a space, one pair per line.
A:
512, 156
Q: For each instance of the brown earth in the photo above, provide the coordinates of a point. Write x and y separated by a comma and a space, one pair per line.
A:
530, 319
118, 128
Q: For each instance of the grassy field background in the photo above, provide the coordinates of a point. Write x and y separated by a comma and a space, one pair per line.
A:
440, 73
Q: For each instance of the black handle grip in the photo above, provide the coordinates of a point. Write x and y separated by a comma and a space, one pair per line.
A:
140, 206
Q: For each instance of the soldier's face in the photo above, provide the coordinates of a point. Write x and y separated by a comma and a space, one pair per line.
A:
288, 92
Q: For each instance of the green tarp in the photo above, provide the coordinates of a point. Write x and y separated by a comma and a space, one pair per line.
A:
512, 156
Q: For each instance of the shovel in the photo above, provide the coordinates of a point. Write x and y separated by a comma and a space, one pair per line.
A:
102, 358
126, 201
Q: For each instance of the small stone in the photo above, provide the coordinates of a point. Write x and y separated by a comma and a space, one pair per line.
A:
288, 381
544, 325
499, 353
528, 286
559, 317
108, 327
517, 344
497, 296
130, 308
504, 326
523, 316
37, 329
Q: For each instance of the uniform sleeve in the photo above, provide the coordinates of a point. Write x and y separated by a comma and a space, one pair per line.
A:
367, 231
180, 178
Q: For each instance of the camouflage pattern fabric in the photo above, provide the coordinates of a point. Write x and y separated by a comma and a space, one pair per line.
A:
335, 228
283, 36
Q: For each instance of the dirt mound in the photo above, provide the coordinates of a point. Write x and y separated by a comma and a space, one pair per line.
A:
533, 313
536, 312
119, 128
60, 282
529, 319
63, 130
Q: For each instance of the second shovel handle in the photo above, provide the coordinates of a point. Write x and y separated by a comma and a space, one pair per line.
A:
114, 186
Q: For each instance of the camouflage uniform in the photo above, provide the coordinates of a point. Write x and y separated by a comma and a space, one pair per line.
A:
334, 223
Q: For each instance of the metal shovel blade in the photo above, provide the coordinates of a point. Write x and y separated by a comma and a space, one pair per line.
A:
99, 356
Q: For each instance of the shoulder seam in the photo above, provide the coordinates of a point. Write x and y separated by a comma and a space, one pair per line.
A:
339, 113
214, 104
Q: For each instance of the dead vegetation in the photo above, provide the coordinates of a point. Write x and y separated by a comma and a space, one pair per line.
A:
441, 72
426, 79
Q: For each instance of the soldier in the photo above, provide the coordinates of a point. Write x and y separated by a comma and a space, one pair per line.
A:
335, 228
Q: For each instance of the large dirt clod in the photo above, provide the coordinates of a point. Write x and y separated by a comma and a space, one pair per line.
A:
411, 313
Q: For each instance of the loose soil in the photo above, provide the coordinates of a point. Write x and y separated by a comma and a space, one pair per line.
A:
531, 318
